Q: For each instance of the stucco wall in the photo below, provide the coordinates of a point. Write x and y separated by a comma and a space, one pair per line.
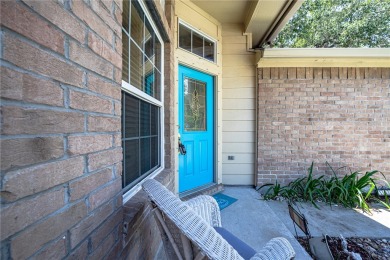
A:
338, 115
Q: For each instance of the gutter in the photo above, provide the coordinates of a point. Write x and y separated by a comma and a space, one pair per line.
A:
279, 22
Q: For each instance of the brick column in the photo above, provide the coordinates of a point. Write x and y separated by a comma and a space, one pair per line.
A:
60, 145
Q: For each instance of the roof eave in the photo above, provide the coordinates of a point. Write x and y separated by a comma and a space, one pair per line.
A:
283, 13
325, 57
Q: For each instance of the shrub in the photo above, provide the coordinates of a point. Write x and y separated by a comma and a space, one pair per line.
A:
351, 190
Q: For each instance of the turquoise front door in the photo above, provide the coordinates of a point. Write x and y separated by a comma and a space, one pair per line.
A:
196, 128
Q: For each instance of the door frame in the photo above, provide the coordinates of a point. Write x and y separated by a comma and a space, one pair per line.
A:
212, 28
214, 132
217, 131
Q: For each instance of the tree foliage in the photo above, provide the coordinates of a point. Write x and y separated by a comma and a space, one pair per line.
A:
338, 23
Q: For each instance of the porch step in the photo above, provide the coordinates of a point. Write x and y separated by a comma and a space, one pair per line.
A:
209, 189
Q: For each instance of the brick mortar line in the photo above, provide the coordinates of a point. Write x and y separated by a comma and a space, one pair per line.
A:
25, 136
69, 9
26, 105
98, 189
46, 50
53, 26
66, 47
93, 134
61, 84
66, 7
89, 6
46, 245
87, 133
86, 125
86, 196
66, 96
90, 92
36, 45
88, 238
66, 148
64, 157
86, 47
113, 138
11, 66
59, 159
111, 201
84, 81
60, 210
1, 45
89, 173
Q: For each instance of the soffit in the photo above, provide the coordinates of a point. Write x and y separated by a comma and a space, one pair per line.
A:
225, 11
261, 18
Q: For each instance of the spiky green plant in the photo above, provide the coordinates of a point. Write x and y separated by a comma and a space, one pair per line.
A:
352, 190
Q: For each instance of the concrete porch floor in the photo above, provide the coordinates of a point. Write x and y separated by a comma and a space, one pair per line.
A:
256, 221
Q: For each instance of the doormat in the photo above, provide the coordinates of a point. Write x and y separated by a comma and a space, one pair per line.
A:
224, 200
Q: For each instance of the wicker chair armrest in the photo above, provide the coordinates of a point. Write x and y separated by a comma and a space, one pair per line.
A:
198, 230
207, 207
276, 249
192, 225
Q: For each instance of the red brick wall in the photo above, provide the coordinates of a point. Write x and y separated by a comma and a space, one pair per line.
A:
60, 114
338, 115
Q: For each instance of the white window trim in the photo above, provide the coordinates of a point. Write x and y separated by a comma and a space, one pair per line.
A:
162, 3
181, 22
142, 95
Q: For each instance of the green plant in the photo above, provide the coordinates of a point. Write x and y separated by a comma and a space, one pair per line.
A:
353, 186
273, 191
307, 188
386, 201
352, 190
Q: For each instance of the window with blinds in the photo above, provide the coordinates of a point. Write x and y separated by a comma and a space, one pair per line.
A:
141, 95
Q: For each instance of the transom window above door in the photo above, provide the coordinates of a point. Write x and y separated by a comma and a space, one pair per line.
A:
196, 42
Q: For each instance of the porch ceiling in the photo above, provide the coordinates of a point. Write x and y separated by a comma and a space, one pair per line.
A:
226, 11
261, 18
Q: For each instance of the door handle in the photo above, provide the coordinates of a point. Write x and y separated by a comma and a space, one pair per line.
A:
182, 148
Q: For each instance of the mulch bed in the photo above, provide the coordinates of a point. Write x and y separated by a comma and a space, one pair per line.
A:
368, 248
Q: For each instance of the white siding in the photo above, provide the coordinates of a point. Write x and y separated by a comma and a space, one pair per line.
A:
238, 105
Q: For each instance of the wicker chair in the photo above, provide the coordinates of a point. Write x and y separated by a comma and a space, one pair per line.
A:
192, 230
